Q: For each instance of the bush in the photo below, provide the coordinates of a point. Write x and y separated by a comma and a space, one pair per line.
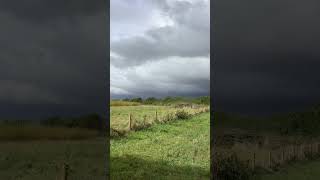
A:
232, 168
181, 114
138, 99
150, 100
124, 103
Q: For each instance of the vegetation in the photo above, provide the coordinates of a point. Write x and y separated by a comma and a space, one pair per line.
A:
231, 167
297, 171
245, 136
38, 160
11, 133
55, 128
174, 150
144, 116
36, 149
305, 123
204, 100
123, 103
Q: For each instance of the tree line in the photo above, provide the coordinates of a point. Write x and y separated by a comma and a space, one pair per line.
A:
169, 100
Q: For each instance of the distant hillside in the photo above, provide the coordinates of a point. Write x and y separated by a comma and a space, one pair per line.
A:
306, 122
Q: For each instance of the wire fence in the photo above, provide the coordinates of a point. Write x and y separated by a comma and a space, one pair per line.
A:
137, 122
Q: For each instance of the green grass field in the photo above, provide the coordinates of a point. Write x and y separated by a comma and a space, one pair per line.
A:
34, 152
26, 133
308, 170
120, 114
38, 160
174, 150
266, 142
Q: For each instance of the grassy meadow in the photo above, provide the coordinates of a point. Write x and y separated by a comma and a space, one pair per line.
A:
145, 114
38, 160
27, 133
309, 170
268, 148
171, 139
174, 150
37, 150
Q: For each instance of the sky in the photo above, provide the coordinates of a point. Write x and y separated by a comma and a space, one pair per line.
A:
159, 48
267, 55
53, 58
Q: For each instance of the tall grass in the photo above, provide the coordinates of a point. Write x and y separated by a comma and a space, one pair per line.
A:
144, 116
44, 133
123, 103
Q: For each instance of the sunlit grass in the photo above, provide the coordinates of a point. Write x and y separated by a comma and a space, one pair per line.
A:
174, 150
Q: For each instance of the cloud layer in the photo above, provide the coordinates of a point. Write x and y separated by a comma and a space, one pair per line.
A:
267, 55
53, 53
166, 54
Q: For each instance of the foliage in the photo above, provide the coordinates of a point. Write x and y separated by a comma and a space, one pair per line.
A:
169, 100
164, 151
124, 103
41, 160
181, 114
44, 133
231, 168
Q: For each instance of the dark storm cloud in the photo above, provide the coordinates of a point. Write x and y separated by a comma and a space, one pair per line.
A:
266, 55
46, 10
53, 53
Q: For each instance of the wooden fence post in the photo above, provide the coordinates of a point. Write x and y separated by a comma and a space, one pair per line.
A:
65, 173
282, 157
130, 122
254, 161
270, 163
145, 119
156, 115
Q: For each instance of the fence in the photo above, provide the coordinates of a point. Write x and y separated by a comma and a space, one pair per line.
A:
275, 158
144, 121
137, 124
282, 156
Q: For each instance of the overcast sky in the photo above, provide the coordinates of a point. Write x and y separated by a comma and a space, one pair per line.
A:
53, 57
159, 48
267, 55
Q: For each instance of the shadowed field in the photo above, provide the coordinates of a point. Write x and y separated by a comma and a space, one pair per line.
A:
38, 160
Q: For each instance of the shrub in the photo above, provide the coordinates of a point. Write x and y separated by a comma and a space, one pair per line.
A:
232, 168
124, 103
181, 114
116, 133
150, 100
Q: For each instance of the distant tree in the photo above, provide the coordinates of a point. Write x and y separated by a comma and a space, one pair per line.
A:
52, 121
91, 121
204, 100
150, 100
138, 99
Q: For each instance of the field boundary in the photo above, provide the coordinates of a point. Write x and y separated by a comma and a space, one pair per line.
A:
276, 158
135, 125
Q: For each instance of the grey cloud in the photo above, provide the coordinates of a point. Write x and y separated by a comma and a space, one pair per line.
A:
266, 55
165, 77
54, 60
187, 38
41, 11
